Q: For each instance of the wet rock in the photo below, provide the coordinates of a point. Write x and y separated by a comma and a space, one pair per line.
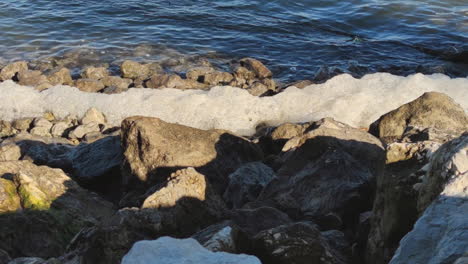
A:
120, 84
440, 234
60, 76
22, 124
80, 131
300, 84
6, 129
246, 183
331, 168
256, 66
219, 237
242, 74
153, 147
433, 116
89, 85
33, 78
295, 243
133, 70
173, 251
217, 78
95, 73
93, 115
9, 71
54, 209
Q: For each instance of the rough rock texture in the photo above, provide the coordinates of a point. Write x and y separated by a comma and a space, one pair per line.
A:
93, 115
89, 85
246, 183
133, 70
330, 169
198, 74
172, 81
256, 66
441, 234
33, 78
298, 243
80, 131
94, 73
9, 200
153, 148
22, 124
217, 78
117, 82
6, 129
60, 76
12, 69
54, 209
170, 250
219, 237
433, 115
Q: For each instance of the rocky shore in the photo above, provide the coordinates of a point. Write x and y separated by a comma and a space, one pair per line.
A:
80, 189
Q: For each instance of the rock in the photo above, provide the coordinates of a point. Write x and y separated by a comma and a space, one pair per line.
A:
6, 129
27, 261
93, 136
9, 151
172, 81
114, 90
33, 78
60, 76
9, 200
187, 199
22, 124
246, 183
133, 70
256, 66
117, 82
300, 84
4, 257
170, 250
9, 71
41, 127
59, 129
152, 148
89, 85
331, 168
95, 73
257, 89
217, 78
54, 209
441, 234
198, 74
80, 131
295, 243
394, 211
93, 115
431, 116
242, 74
219, 237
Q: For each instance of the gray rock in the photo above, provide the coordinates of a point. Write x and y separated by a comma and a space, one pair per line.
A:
246, 183
27, 261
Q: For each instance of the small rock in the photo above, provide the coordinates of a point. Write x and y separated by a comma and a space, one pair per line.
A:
9, 152
133, 70
242, 73
95, 73
89, 85
220, 237
27, 261
257, 89
93, 115
41, 127
300, 84
59, 129
93, 136
117, 82
256, 66
197, 74
49, 116
61, 76
33, 78
80, 131
22, 124
6, 129
215, 78
9, 71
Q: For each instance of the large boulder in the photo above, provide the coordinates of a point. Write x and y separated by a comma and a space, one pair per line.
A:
298, 243
53, 208
170, 250
433, 116
328, 171
153, 149
441, 234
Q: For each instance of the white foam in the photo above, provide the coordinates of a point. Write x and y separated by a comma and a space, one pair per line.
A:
357, 102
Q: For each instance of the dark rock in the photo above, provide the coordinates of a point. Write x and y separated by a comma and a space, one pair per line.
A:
219, 237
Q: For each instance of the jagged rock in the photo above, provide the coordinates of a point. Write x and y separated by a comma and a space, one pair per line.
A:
6, 129
299, 243
60, 76
216, 78
89, 85
33, 78
59, 129
9, 71
80, 131
441, 234
152, 148
117, 82
9, 151
22, 124
331, 168
174, 251
219, 237
133, 70
54, 209
95, 73
198, 74
243, 74
256, 66
246, 183
93, 115
433, 116
41, 127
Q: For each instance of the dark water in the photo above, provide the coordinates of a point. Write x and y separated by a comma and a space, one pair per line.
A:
296, 39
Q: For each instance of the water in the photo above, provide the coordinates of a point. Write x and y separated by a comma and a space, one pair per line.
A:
299, 39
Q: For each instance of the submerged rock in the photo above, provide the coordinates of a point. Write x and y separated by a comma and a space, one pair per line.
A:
433, 116
170, 250
153, 149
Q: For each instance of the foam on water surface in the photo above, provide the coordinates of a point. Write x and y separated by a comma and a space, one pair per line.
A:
357, 102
